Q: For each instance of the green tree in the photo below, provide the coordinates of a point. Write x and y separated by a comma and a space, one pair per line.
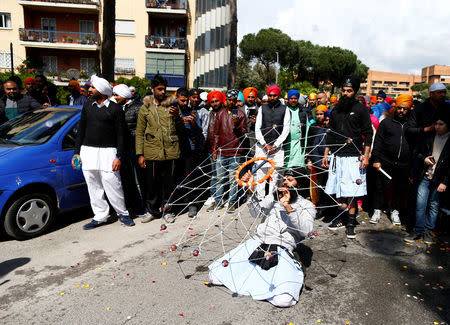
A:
420, 87
263, 48
141, 84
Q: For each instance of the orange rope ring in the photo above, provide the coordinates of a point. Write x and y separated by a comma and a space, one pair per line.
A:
251, 161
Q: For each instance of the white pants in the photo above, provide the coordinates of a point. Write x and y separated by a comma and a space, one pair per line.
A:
283, 300
100, 182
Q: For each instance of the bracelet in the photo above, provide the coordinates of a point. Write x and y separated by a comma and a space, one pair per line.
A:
117, 157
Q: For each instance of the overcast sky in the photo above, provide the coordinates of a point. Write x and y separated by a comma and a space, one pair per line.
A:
395, 36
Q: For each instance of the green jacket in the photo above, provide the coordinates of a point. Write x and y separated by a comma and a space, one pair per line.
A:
157, 132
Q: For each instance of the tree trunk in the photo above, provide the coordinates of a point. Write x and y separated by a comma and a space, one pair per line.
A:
109, 39
233, 45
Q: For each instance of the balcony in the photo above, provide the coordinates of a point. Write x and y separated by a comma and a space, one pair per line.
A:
173, 81
155, 43
177, 7
59, 39
66, 5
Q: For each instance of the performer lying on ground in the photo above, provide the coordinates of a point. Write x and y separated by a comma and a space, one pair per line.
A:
264, 266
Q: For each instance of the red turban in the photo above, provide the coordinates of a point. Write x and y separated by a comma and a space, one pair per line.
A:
75, 84
274, 89
216, 94
30, 80
249, 90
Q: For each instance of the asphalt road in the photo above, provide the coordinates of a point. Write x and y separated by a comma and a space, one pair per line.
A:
118, 275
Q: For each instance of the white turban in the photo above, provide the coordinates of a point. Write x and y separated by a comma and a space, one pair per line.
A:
265, 97
123, 91
102, 85
204, 96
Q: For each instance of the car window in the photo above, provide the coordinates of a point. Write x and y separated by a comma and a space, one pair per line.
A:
35, 127
68, 142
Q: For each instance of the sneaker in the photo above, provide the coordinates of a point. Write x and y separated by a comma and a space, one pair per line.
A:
169, 217
212, 207
350, 231
147, 217
209, 201
192, 211
395, 218
336, 224
412, 237
126, 220
93, 224
231, 209
428, 238
376, 216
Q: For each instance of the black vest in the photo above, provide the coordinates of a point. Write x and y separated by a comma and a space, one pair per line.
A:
272, 122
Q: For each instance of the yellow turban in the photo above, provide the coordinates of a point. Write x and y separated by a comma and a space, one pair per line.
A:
322, 108
404, 99
312, 96
249, 90
333, 99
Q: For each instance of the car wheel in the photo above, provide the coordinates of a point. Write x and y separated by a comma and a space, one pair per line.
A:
29, 216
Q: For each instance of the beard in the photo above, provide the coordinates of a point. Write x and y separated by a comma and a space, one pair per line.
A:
345, 104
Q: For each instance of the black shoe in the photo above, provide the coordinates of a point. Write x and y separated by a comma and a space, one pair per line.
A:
126, 220
93, 224
428, 238
350, 231
336, 224
412, 237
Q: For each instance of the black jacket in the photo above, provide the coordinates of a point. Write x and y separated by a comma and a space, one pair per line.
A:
391, 144
422, 116
25, 104
442, 170
354, 124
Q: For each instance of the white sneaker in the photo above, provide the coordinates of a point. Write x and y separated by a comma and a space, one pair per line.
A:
395, 218
209, 201
376, 216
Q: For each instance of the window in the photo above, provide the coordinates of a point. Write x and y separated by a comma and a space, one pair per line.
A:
50, 64
164, 63
87, 26
5, 60
5, 20
87, 65
124, 66
68, 142
124, 27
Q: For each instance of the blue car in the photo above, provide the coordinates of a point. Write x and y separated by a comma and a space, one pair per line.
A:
36, 177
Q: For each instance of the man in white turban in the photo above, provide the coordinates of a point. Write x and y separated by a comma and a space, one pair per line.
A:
132, 177
99, 147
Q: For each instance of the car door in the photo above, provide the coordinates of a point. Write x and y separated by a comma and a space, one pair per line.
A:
74, 190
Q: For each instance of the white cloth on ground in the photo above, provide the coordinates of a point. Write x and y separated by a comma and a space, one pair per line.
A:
343, 175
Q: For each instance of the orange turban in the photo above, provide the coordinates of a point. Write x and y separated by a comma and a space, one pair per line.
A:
313, 96
322, 108
75, 84
216, 94
249, 90
405, 99
333, 99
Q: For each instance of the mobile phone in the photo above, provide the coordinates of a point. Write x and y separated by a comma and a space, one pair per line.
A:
235, 112
251, 112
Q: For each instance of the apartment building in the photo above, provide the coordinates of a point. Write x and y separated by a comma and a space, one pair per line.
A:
436, 73
185, 41
393, 84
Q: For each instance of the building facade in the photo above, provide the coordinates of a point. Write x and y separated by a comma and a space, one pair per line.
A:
185, 41
393, 84
436, 73
212, 43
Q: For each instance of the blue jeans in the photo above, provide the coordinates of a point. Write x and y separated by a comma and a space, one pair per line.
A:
426, 197
213, 182
226, 169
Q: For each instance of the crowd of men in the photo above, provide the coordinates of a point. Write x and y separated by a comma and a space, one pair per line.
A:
384, 155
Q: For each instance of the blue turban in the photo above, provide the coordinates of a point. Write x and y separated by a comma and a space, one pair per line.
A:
294, 93
241, 97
